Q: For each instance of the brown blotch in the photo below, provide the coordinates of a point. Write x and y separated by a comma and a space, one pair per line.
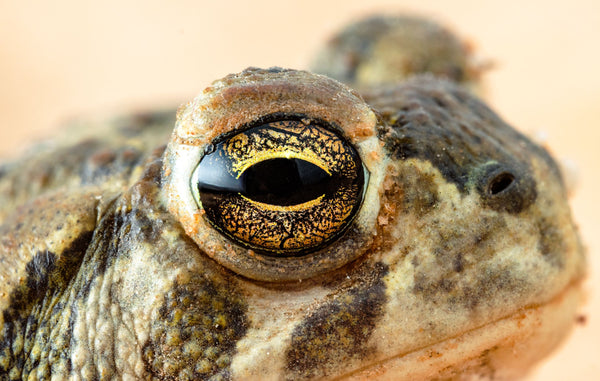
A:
195, 333
465, 273
337, 333
437, 121
419, 191
551, 243
34, 310
581, 319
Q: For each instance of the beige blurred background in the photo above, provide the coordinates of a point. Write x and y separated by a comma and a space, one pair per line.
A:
65, 58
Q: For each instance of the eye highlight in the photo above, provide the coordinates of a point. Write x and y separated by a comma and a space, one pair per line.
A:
285, 188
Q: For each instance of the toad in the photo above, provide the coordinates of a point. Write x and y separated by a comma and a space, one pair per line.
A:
285, 226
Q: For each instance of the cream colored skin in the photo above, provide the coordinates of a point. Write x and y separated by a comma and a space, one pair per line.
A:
110, 270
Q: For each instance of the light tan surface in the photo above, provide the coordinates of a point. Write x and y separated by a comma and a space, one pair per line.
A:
64, 58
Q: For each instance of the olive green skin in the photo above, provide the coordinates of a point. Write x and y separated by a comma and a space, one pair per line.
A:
110, 271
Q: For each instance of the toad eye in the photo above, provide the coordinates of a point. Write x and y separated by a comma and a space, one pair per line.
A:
286, 187
266, 172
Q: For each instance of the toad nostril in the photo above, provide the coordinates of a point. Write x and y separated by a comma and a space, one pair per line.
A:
500, 183
506, 187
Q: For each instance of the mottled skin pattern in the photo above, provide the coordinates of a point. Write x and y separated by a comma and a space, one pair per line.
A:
462, 260
382, 49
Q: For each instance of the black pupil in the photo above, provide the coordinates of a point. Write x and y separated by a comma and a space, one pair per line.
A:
285, 182
279, 181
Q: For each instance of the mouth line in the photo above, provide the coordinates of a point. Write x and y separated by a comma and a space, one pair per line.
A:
522, 313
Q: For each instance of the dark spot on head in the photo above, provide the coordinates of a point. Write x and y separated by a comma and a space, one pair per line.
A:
153, 169
38, 270
337, 332
419, 191
551, 243
457, 263
439, 102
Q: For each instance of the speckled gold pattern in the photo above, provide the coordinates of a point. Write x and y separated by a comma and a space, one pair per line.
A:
293, 228
289, 139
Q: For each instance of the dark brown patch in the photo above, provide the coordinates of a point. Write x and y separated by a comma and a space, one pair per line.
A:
34, 310
336, 333
551, 243
195, 333
436, 121
419, 191
153, 169
466, 274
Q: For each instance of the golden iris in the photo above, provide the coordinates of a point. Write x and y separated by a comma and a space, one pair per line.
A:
286, 187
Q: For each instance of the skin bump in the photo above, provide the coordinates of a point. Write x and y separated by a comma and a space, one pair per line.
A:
35, 307
195, 333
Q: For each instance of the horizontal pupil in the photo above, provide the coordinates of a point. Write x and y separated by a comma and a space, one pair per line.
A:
256, 195
285, 182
